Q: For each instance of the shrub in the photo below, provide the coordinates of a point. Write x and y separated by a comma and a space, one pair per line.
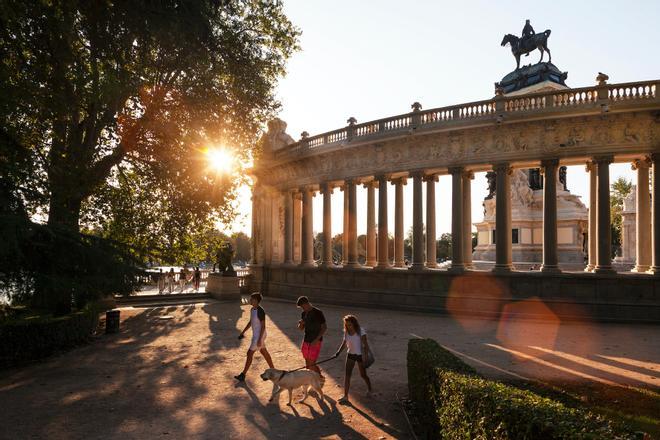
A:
455, 402
29, 338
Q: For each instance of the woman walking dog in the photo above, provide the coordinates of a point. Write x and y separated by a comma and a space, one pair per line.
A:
355, 338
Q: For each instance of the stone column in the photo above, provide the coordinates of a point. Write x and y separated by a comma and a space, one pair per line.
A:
398, 221
344, 235
418, 223
326, 256
550, 257
503, 218
643, 216
467, 218
255, 228
430, 220
307, 245
297, 223
655, 215
288, 227
592, 168
604, 255
371, 224
352, 225
383, 239
457, 224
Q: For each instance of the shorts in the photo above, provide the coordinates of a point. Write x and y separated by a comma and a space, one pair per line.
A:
355, 357
310, 351
254, 344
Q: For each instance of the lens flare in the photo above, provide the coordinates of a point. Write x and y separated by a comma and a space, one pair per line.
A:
220, 159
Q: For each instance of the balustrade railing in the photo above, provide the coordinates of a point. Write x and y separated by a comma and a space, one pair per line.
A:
586, 97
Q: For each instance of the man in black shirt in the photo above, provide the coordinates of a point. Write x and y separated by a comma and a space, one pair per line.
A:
312, 322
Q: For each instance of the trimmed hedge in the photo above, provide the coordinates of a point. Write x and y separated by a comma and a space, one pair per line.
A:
23, 340
454, 402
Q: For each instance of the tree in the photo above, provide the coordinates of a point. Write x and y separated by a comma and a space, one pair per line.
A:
619, 190
241, 243
92, 89
444, 246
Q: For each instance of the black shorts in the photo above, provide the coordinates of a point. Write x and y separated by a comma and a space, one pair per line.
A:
355, 357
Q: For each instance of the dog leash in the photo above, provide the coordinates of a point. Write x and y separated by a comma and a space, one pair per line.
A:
284, 373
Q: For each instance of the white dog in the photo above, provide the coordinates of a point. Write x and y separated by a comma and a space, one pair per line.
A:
291, 380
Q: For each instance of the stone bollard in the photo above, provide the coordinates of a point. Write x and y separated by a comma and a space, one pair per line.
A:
112, 321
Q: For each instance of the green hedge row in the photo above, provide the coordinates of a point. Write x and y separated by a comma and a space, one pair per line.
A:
454, 402
23, 340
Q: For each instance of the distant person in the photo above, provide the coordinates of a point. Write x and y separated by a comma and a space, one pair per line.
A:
197, 278
258, 324
355, 338
162, 279
183, 278
170, 280
312, 322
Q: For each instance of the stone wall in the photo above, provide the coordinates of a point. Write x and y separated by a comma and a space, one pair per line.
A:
580, 297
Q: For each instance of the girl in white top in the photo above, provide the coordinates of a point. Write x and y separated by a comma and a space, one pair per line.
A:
355, 338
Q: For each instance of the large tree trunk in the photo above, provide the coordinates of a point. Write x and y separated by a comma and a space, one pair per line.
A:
64, 210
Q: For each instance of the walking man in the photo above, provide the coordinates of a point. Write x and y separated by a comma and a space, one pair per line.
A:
258, 324
312, 322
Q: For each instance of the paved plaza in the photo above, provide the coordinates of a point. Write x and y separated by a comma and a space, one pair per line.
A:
169, 373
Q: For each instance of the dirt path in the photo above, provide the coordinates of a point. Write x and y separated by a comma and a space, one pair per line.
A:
169, 373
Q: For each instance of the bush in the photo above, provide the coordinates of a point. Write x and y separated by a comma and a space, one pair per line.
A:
453, 401
29, 338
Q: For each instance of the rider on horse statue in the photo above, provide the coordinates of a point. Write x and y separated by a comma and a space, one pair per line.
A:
527, 33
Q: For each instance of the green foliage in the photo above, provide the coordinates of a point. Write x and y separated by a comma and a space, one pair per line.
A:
455, 402
27, 338
92, 89
620, 189
57, 269
443, 246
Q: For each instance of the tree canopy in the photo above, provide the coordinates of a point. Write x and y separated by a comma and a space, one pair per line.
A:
94, 90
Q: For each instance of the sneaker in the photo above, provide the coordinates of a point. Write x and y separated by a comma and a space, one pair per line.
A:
240, 377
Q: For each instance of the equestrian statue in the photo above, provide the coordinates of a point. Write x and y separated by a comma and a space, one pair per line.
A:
528, 42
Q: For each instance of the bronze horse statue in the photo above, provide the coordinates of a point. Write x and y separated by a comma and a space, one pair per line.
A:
521, 46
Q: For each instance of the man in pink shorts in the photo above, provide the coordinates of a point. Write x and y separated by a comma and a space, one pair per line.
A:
312, 322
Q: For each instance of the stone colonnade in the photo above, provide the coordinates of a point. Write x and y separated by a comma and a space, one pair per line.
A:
297, 228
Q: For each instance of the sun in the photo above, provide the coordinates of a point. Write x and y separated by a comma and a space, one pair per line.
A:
220, 159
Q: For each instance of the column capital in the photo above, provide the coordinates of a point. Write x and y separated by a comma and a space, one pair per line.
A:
433, 177
503, 167
417, 173
468, 174
456, 170
326, 187
590, 166
370, 183
550, 162
382, 178
603, 160
399, 181
644, 162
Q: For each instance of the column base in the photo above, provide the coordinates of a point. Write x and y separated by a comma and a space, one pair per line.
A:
328, 264
352, 265
381, 266
641, 269
458, 268
604, 270
432, 265
399, 264
550, 268
307, 264
370, 263
502, 268
589, 268
654, 270
417, 266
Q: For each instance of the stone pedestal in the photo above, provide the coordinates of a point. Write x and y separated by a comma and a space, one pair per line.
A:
220, 287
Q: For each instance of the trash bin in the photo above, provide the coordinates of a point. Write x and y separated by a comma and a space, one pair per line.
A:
112, 321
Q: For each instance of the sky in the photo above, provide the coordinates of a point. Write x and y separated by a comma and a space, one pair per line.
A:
373, 59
